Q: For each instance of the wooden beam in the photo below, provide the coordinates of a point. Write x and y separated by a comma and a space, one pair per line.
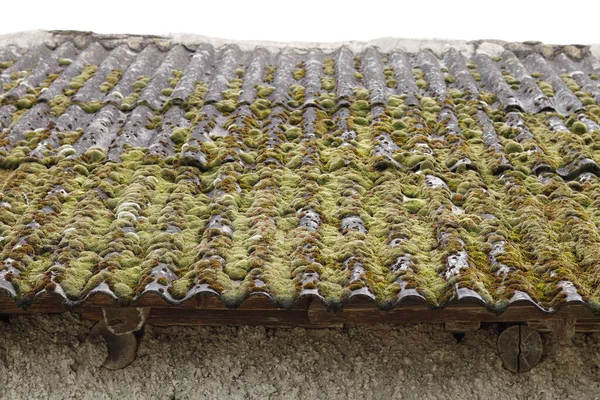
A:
462, 326
420, 314
581, 325
307, 312
270, 318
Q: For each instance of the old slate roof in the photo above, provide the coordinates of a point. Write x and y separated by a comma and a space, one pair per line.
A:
440, 171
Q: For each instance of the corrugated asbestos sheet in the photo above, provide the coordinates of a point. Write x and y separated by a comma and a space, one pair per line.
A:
184, 170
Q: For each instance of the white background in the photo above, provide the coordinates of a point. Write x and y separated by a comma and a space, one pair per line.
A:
549, 21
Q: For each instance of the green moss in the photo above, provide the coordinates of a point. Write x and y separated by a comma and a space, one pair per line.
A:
13, 160
23, 103
362, 94
395, 101
226, 106
399, 125
413, 206
59, 104
247, 158
399, 112
329, 66
111, 80
197, 98
328, 84
299, 73
68, 138
270, 73
488, 97
81, 170
505, 130
63, 62
588, 101
293, 133
15, 79
249, 180
295, 162
128, 102
29, 135
139, 85
261, 108
579, 128
264, 91
428, 102
328, 103
360, 121
231, 94
287, 224
297, 92
78, 81
132, 155
154, 123
546, 88
174, 80
511, 80
336, 164
421, 84
122, 291
180, 135
427, 164
94, 155
360, 108
92, 107
455, 93
472, 134
513, 147
167, 92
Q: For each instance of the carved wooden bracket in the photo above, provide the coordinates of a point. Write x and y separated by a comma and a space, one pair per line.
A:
117, 328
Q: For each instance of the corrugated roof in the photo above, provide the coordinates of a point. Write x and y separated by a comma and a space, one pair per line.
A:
135, 165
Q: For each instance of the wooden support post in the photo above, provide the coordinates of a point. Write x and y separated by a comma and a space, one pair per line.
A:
117, 328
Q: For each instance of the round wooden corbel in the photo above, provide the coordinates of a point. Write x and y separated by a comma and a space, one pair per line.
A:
520, 348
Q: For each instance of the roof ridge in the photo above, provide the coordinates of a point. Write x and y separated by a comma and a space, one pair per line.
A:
490, 47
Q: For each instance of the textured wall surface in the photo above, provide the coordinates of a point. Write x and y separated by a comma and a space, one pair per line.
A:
52, 357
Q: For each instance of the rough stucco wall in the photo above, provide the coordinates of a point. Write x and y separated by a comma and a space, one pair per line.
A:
52, 357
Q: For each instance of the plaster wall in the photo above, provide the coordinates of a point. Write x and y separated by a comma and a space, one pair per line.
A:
53, 357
